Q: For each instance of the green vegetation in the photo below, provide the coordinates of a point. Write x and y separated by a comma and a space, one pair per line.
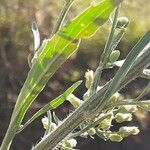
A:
100, 105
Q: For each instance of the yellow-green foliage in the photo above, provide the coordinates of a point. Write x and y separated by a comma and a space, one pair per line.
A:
45, 13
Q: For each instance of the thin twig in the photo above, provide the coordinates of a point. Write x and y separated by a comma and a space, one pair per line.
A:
105, 54
127, 102
89, 126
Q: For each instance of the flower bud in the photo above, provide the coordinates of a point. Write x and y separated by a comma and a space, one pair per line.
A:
114, 56
89, 75
114, 137
76, 102
45, 122
122, 22
106, 123
53, 126
114, 97
91, 131
104, 135
70, 143
126, 131
129, 108
121, 117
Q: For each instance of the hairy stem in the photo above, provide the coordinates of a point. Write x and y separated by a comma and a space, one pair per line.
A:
50, 141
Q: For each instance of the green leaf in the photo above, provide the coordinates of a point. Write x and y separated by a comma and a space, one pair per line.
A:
57, 50
52, 104
88, 22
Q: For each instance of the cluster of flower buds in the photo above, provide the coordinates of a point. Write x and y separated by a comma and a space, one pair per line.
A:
66, 144
119, 114
119, 135
124, 113
103, 127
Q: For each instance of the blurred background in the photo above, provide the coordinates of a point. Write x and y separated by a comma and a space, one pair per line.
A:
16, 43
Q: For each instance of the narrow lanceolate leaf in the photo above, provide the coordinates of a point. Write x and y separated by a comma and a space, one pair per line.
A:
52, 104
57, 50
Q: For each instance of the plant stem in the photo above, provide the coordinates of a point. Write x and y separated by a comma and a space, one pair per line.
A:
10, 134
49, 116
61, 131
105, 54
127, 102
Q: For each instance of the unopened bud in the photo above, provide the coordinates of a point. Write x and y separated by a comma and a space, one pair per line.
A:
114, 97
91, 131
76, 102
70, 143
114, 137
89, 75
121, 117
106, 123
104, 135
53, 126
114, 56
45, 122
129, 108
122, 22
126, 131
